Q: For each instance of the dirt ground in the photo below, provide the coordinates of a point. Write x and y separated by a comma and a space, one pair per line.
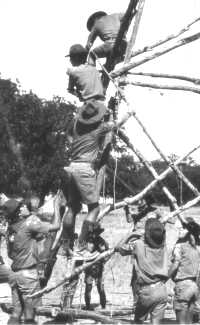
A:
117, 272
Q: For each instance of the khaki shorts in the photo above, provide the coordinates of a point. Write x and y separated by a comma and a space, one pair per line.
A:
186, 292
23, 283
82, 183
151, 299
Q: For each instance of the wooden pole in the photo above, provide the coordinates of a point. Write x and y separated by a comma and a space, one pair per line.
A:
131, 10
150, 168
183, 208
196, 81
171, 164
72, 314
156, 86
165, 40
131, 43
146, 190
118, 72
122, 32
75, 272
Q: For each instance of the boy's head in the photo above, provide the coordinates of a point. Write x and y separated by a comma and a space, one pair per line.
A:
91, 244
15, 210
154, 233
78, 54
96, 15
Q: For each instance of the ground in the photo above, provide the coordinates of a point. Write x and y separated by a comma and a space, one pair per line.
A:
117, 271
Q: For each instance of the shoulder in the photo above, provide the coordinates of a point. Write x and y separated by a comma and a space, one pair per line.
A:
32, 220
120, 15
74, 70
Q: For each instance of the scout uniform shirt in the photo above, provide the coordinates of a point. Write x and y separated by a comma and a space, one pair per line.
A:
22, 242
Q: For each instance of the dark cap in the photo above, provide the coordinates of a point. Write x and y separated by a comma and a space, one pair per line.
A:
11, 207
154, 233
95, 15
77, 49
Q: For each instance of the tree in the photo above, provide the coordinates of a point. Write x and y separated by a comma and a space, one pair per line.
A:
34, 142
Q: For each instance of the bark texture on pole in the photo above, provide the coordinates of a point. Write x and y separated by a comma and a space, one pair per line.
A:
71, 314
156, 86
165, 40
196, 81
127, 67
131, 43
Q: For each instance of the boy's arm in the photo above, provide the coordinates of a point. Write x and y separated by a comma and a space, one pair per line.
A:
37, 226
125, 249
71, 85
175, 260
113, 126
91, 38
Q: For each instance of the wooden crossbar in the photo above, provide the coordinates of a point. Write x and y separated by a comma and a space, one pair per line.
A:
147, 189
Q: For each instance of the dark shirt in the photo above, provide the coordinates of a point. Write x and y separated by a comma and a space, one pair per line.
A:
106, 28
87, 81
22, 241
86, 145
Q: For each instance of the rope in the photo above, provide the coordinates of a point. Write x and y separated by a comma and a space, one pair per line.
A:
114, 182
81, 290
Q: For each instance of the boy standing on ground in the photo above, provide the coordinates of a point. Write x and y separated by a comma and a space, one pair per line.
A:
5, 271
23, 232
150, 272
95, 273
184, 272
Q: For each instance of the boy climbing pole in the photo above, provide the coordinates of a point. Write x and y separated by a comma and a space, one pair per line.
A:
80, 180
106, 27
84, 79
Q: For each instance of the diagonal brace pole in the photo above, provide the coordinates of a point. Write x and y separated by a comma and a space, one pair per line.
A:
147, 189
150, 168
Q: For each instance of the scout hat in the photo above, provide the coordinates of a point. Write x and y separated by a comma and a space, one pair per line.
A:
92, 18
77, 49
154, 233
91, 112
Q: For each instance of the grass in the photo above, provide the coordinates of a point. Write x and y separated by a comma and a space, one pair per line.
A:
117, 270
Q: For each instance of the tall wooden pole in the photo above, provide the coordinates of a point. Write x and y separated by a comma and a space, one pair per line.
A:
131, 43
146, 190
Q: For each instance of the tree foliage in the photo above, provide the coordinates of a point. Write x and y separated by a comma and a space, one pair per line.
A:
33, 140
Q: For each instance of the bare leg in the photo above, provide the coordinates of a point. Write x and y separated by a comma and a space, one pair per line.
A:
17, 307
88, 290
101, 291
69, 219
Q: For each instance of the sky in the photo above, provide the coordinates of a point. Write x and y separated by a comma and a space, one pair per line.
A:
36, 35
